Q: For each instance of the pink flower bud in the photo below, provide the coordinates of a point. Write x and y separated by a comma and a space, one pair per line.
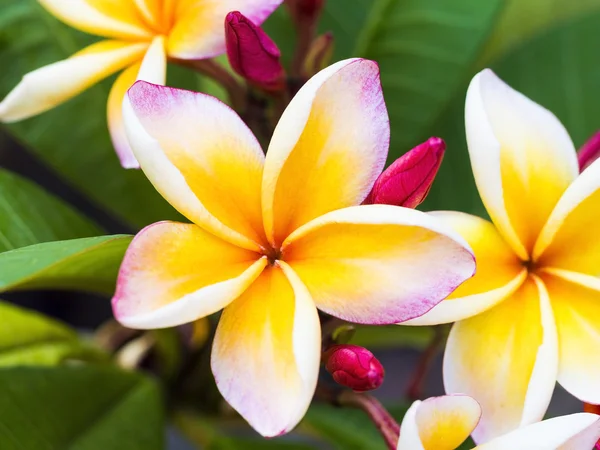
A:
319, 54
305, 10
354, 367
589, 152
408, 180
252, 53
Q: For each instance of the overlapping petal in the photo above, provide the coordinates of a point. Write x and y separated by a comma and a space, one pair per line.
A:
328, 148
201, 157
51, 85
378, 264
174, 273
522, 157
506, 358
568, 240
577, 313
499, 272
266, 352
198, 25
152, 68
110, 18
572, 432
439, 423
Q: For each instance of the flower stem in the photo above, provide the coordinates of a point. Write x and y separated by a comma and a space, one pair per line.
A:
415, 387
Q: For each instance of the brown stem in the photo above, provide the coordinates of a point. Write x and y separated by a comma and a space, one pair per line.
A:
385, 423
210, 68
306, 33
415, 387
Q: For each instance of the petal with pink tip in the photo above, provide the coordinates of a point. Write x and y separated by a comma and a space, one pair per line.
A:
198, 26
267, 350
439, 423
573, 432
109, 18
51, 85
152, 68
506, 358
328, 148
201, 157
523, 158
378, 264
174, 273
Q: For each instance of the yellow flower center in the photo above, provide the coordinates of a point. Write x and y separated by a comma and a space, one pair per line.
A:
273, 254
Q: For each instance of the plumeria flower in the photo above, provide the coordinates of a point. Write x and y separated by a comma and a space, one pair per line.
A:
273, 238
140, 36
530, 315
444, 423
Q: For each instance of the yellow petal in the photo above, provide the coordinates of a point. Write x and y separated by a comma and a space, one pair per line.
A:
110, 18
153, 69
174, 273
266, 352
499, 271
197, 26
569, 240
577, 312
51, 85
201, 157
328, 148
378, 264
507, 359
522, 158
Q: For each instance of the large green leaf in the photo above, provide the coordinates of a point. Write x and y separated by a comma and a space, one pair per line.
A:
28, 215
29, 338
89, 264
79, 408
392, 336
424, 49
72, 138
523, 19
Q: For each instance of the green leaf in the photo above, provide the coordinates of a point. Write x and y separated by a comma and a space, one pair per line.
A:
89, 264
229, 443
73, 138
523, 19
30, 338
424, 49
28, 215
392, 336
79, 408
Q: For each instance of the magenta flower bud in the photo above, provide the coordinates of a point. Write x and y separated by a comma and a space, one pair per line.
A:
305, 10
252, 53
319, 54
354, 367
408, 180
589, 152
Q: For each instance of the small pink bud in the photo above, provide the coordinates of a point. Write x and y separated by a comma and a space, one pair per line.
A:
354, 367
304, 11
589, 152
408, 180
252, 53
319, 54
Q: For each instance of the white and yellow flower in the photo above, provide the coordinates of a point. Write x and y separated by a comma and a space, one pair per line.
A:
275, 238
141, 36
444, 423
530, 315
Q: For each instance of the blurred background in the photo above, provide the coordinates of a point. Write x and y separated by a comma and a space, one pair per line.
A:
428, 50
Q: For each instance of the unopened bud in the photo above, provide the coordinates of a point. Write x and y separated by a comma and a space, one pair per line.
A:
319, 54
354, 367
589, 152
303, 11
252, 53
408, 180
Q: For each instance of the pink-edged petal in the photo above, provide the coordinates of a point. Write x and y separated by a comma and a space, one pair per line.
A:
506, 358
378, 264
328, 148
201, 157
109, 18
499, 272
51, 85
573, 432
523, 158
174, 273
198, 33
439, 423
152, 68
267, 351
